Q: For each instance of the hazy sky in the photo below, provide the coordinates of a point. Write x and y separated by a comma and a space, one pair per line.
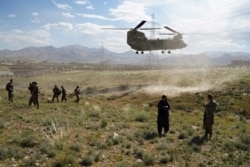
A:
25, 23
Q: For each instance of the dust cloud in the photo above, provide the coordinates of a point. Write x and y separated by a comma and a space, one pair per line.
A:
191, 83
173, 90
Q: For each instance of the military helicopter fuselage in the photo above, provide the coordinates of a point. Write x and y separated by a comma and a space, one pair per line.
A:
139, 42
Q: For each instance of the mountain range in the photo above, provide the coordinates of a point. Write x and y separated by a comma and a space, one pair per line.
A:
81, 54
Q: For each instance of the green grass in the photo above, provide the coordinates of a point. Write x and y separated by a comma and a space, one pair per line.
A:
115, 122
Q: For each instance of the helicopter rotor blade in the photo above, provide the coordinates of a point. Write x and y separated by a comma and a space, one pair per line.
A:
130, 28
115, 28
139, 25
172, 30
198, 34
167, 34
134, 29
150, 28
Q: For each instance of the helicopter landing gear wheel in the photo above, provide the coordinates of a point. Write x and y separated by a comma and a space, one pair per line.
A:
162, 51
169, 52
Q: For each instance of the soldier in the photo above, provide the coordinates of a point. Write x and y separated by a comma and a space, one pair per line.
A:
56, 93
77, 92
163, 115
10, 89
34, 95
208, 120
30, 87
63, 94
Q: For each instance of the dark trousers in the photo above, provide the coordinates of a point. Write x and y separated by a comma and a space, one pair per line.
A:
10, 96
161, 126
55, 96
64, 98
34, 99
77, 98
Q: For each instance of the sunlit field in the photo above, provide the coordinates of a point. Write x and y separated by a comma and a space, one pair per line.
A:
115, 122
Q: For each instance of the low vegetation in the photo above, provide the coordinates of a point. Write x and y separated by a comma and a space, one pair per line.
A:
115, 122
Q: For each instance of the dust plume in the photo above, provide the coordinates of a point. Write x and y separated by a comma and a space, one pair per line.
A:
212, 79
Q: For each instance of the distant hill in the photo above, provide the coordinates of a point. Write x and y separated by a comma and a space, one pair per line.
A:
81, 54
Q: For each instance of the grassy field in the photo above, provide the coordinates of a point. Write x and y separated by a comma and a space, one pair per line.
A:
115, 122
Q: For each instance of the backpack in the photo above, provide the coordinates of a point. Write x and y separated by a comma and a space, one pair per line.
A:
30, 88
7, 87
59, 92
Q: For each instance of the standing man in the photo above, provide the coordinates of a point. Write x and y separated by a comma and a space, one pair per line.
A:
10, 89
77, 92
63, 94
163, 115
56, 93
30, 88
208, 120
34, 95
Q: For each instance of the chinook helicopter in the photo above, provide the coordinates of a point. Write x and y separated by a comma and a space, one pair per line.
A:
139, 42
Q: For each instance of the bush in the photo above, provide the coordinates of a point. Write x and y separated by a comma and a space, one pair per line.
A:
31, 161
1, 124
242, 144
122, 164
161, 146
183, 135
141, 117
230, 146
245, 139
26, 139
138, 153
163, 160
65, 160
10, 152
146, 134
117, 140
88, 160
94, 113
104, 123
48, 148
195, 148
76, 147
148, 159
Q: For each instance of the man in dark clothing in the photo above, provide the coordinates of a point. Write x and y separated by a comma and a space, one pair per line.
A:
34, 95
30, 87
10, 89
63, 94
208, 120
56, 93
163, 115
77, 92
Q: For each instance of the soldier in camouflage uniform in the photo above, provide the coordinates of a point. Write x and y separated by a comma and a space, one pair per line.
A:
77, 92
10, 89
63, 94
34, 94
56, 93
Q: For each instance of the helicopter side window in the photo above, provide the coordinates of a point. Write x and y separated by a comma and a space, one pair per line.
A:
140, 36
